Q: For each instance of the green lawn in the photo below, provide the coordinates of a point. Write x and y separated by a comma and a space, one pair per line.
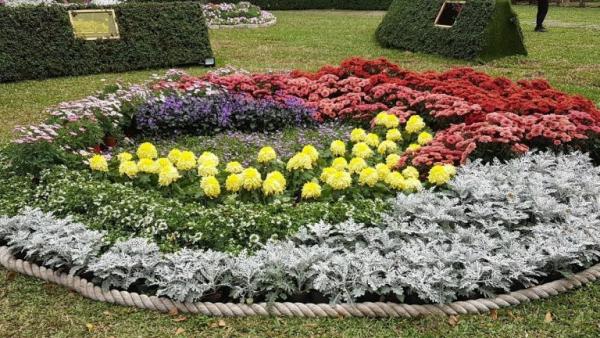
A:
568, 56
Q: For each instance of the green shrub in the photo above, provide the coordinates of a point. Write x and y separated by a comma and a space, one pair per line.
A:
37, 42
485, 29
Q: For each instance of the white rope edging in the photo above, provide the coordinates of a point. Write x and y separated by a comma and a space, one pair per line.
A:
367, 309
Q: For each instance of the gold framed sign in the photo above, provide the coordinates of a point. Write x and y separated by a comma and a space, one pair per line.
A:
94, 24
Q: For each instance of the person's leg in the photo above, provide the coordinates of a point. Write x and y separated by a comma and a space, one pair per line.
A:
541, 15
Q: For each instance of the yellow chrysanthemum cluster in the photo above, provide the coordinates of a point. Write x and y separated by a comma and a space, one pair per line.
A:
365, 161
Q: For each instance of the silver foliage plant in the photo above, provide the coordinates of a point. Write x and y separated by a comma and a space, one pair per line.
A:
56, 243
498, 225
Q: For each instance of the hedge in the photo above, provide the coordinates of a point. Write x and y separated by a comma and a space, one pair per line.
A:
485, 29
372, 5
37, 42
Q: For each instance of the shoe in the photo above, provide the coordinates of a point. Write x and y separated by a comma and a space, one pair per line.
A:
541, 29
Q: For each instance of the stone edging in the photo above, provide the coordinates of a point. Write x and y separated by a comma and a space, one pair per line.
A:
368, 309
245, 25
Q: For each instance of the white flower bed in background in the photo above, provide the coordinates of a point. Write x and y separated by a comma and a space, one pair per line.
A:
242, 13
499, 226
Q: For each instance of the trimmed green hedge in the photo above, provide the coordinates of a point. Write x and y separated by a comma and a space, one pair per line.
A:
372, 5
485, 29
37, 42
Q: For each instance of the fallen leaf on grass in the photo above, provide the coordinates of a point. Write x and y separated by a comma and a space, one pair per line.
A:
90, 327
173, 311
179, 331
180, 319
453, 320
10, 276
549, 317
219, 323
494, 314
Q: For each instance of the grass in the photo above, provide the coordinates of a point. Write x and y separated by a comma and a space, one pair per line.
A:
568, 56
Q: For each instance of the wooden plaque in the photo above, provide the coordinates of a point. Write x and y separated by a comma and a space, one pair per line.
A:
94, 24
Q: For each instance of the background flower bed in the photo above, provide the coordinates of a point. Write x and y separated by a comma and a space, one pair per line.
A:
232, 14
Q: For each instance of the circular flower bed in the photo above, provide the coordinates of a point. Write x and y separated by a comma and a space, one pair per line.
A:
241, 14
358, 183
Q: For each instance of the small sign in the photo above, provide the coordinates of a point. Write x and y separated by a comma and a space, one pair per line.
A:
94, 24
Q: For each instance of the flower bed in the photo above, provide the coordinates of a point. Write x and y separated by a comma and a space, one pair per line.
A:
362, 182
241, 14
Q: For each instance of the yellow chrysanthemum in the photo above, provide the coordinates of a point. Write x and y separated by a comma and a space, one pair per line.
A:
185, 161
99, 163
174, 155
311, 190
252, 179
147, 150
210, 186
395, 180
266, 154
208, 167
372, 140
356, 165
339, 163
438, 175
125, 156
392, 160
234, 182
164, 162
414, 124
387, 147
391, 121
234, 167
450, 169
413, 147
410, 172
311, 152
128, 168
340, 180
358, 135
338, 148
167, 175
300, 161
274, 184
393, 135
368, 176
424, 138
382, 170
149, 166
378, 120
208, 156
412, 185
327, 172
387, 120
362, 150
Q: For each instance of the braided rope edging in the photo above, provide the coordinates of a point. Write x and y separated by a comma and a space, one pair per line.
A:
367, 309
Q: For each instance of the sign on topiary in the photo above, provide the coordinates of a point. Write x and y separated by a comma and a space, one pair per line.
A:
471, 29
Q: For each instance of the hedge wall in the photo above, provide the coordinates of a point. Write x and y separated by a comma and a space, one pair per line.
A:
372, 5
37, 42
485, 29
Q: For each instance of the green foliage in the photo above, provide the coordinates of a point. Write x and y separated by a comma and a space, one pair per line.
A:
484, 29
38, 42
124, 211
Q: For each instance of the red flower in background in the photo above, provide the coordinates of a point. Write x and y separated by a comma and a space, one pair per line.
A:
474, 109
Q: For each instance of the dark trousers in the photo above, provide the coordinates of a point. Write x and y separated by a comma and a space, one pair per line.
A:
542, 11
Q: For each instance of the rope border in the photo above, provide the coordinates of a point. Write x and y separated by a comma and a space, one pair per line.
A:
367, 309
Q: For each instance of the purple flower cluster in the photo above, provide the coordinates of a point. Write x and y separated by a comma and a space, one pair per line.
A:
207, 115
